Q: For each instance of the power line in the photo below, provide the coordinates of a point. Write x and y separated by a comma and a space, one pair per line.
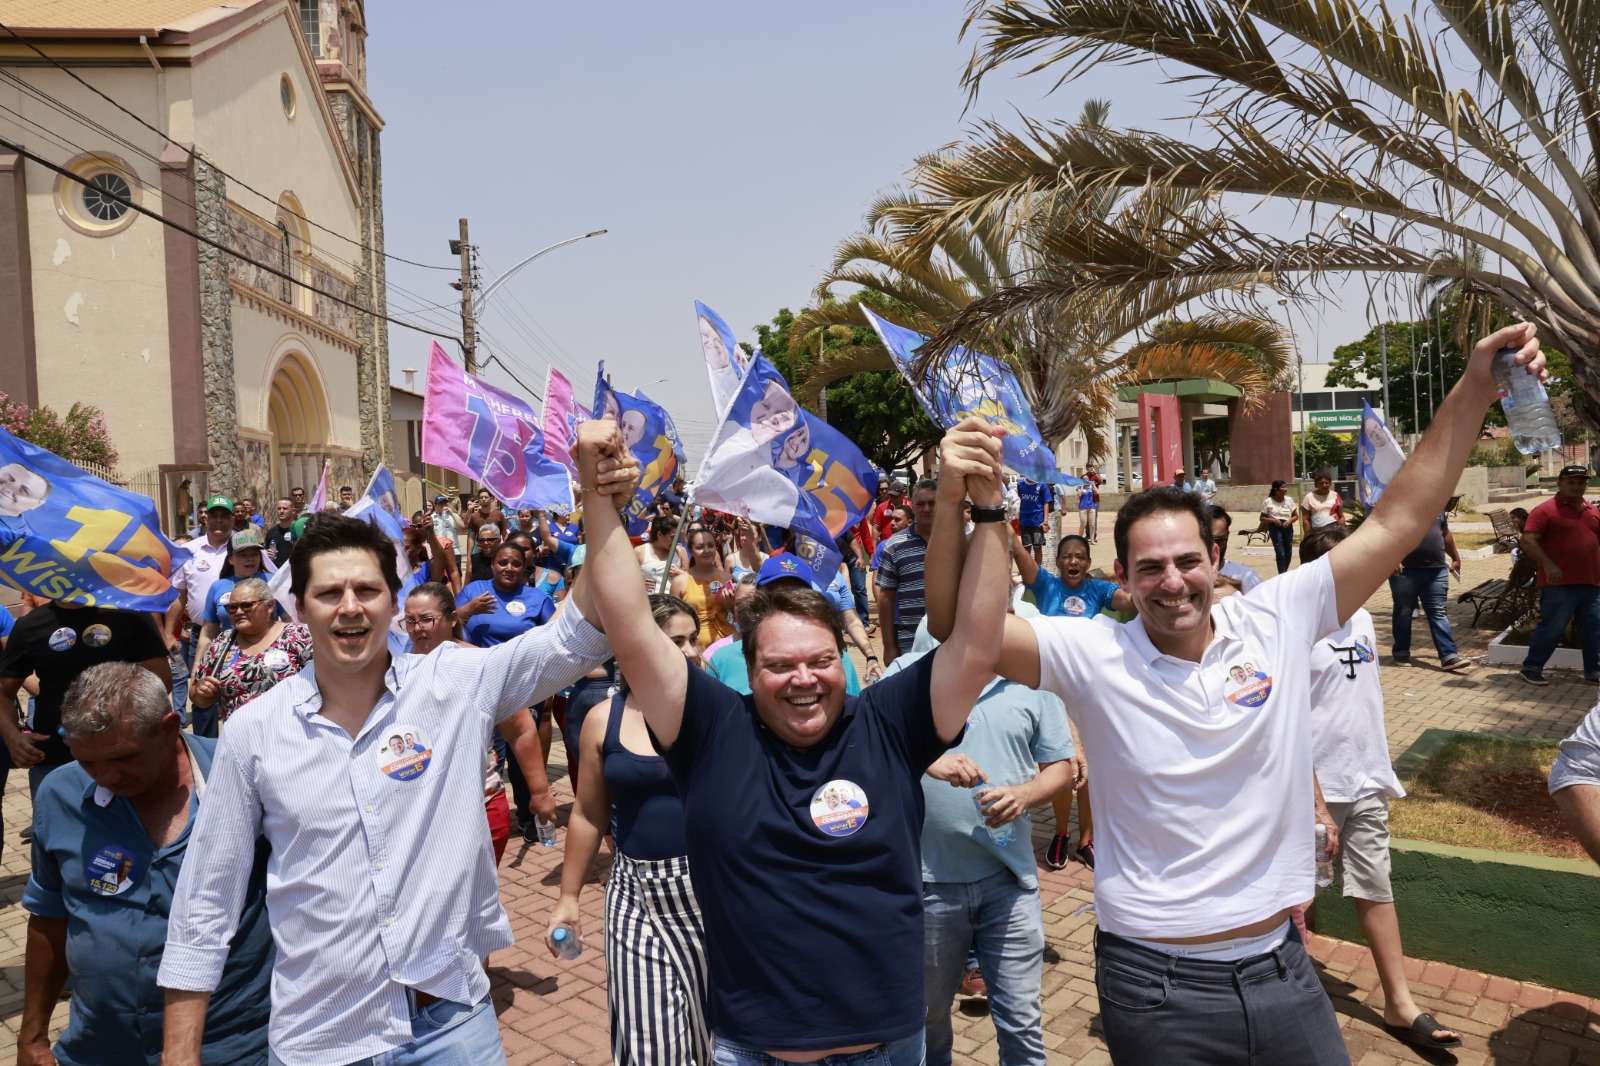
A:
69, 73
130, 205
62, 140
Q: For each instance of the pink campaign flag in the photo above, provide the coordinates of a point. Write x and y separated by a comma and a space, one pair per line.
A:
491, 436
562, 413
319, 499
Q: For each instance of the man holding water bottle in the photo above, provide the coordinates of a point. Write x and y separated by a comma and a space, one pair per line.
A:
980, 881
1202, 788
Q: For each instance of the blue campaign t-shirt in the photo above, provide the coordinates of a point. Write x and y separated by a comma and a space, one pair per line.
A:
514, 614
806, 864
1009, 733
95, 868
728, 664
1054, 598
1031, 495
877, 555
7, 622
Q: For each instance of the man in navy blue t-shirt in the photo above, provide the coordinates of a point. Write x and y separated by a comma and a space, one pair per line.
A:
803, 808
1033, 514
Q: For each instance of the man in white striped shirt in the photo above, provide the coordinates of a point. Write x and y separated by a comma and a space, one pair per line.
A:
381, 889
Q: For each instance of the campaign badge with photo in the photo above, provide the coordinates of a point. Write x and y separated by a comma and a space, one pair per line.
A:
1364, 651
839, 808
63, 639
516, 607
277, 660
1248, 683
1074, 606
111, 871
97, 635
404, 753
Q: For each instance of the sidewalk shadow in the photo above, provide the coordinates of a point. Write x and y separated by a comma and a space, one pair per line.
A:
1524, 1034
1343, 996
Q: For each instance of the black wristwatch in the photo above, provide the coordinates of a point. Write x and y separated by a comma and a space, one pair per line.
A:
988, 514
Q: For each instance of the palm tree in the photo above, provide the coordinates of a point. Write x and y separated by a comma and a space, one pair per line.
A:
1338, 106
1070, 359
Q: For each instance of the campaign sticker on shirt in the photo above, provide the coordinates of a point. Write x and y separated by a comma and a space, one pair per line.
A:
1074, 606
1365, 651
111, 871
277, 660
404, 754
516, 607
202, 564
839, 808
63, 639
1248, 685
97, 635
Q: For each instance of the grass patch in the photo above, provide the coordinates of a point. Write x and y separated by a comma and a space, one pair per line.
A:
1473, 538
1486, 792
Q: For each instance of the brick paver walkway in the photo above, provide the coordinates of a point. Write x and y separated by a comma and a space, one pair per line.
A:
554, 1012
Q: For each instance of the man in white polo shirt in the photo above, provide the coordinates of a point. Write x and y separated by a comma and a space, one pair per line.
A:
1199, 717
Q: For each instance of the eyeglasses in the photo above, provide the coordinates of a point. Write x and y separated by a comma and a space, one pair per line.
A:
235, 605
426, 621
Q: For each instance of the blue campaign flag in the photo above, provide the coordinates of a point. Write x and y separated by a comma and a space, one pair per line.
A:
66, 535
1378, 458
781, 466
648, 431
971, 383
725, 361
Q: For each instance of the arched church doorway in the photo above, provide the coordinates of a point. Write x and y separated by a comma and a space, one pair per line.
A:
297, 418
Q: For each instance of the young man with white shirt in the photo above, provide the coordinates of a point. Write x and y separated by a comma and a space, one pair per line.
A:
383, 908
1236, 575
1203, 788
1350, 751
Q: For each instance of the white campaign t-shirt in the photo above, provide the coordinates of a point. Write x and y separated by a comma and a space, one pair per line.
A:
1245, 575
1349, 746
1201, 772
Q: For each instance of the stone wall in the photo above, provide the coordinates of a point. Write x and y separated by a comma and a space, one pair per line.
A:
216, 331
372, 366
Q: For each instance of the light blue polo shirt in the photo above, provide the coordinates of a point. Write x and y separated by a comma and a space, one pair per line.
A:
727, 665
95, 867
1009, 733
1054, 598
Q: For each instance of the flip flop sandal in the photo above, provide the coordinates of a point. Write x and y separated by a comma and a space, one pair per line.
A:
1420, 1032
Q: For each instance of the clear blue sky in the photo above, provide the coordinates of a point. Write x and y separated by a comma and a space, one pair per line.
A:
728, 147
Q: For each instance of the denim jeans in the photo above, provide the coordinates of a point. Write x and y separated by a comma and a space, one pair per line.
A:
858, 589
1431, 585
1558, 604
180, 686
1282, 545
443, 1034
1005, 921
906, 1052
1261, 1011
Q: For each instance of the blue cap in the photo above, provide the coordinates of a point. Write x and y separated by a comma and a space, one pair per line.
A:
787, 565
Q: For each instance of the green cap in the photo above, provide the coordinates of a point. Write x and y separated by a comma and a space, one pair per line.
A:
248, 538
219, 501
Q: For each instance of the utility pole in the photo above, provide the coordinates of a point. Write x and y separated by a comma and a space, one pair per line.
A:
469, 333
1383, 351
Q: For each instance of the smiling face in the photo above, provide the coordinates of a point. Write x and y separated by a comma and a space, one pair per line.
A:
1169, 573
795, 445
798, 679
219, 525
711, 341
21, 489
1072, 560
633, 426
773, 414
347, 606
703, 546
397, 746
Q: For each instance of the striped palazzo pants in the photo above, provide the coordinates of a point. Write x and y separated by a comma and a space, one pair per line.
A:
656, 984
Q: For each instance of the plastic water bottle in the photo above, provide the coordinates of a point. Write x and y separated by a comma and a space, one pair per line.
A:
1324, 858
547, 831
1001, 836
566, 942
1526, 405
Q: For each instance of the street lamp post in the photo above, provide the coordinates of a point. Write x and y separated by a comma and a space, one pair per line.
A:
1300, 384
483, 298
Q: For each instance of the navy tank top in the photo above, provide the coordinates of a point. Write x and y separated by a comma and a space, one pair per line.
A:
646, 814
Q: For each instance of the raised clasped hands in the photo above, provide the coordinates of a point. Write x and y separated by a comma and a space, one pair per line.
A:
605, 466
969, 463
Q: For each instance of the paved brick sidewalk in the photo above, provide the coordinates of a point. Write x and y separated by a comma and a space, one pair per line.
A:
553, 1012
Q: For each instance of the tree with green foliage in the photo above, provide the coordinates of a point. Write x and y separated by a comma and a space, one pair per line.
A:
1324, 450
874, 408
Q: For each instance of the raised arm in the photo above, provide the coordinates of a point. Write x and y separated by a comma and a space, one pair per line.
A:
1416, 495
656, 670
947, 546
969, 457
1024, 560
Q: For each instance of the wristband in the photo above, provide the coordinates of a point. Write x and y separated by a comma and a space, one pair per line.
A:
988, 514
872, 658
